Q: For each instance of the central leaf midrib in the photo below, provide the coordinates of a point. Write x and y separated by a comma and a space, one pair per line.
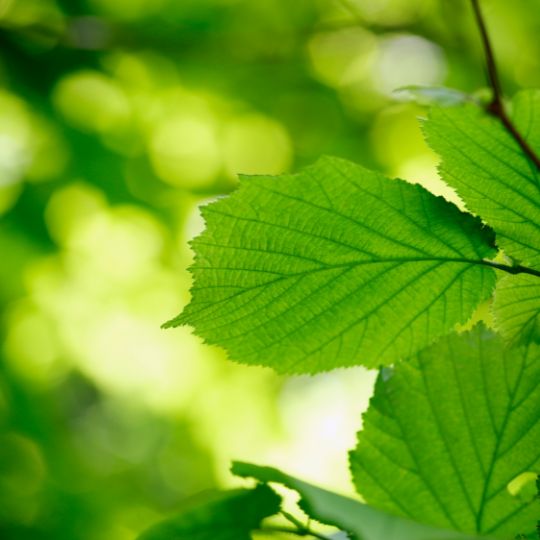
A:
284, 277
326, 266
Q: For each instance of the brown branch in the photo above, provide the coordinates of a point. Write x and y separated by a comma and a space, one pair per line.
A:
496, 107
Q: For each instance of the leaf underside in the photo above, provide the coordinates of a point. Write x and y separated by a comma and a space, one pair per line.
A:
448, 431
360, 521
332, 267
516, 308
227, 515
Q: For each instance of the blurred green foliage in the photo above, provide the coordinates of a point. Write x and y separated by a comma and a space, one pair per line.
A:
119, 117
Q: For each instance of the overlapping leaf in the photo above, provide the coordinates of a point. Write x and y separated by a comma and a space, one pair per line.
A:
491, 172
447, 432
359, 520
516, 308
496, 179
334, 266
228, 515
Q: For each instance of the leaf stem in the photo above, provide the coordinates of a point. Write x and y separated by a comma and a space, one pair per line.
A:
496, 107
296, 522
517, 269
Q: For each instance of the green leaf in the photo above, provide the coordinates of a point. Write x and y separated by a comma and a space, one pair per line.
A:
497, 181
334, 266
491, 173
448, 432
227, 515
516, 308
359, 520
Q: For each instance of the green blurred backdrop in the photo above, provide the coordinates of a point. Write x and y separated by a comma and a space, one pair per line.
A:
117, 119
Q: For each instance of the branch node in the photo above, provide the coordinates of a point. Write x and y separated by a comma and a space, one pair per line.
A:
496, 106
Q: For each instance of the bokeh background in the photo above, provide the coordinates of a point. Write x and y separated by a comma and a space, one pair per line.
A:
117, 119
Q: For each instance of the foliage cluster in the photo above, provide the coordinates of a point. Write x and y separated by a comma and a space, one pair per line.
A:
338, 266
118, 118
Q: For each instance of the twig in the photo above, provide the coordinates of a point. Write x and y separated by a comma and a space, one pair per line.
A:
493, 73
496, 107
